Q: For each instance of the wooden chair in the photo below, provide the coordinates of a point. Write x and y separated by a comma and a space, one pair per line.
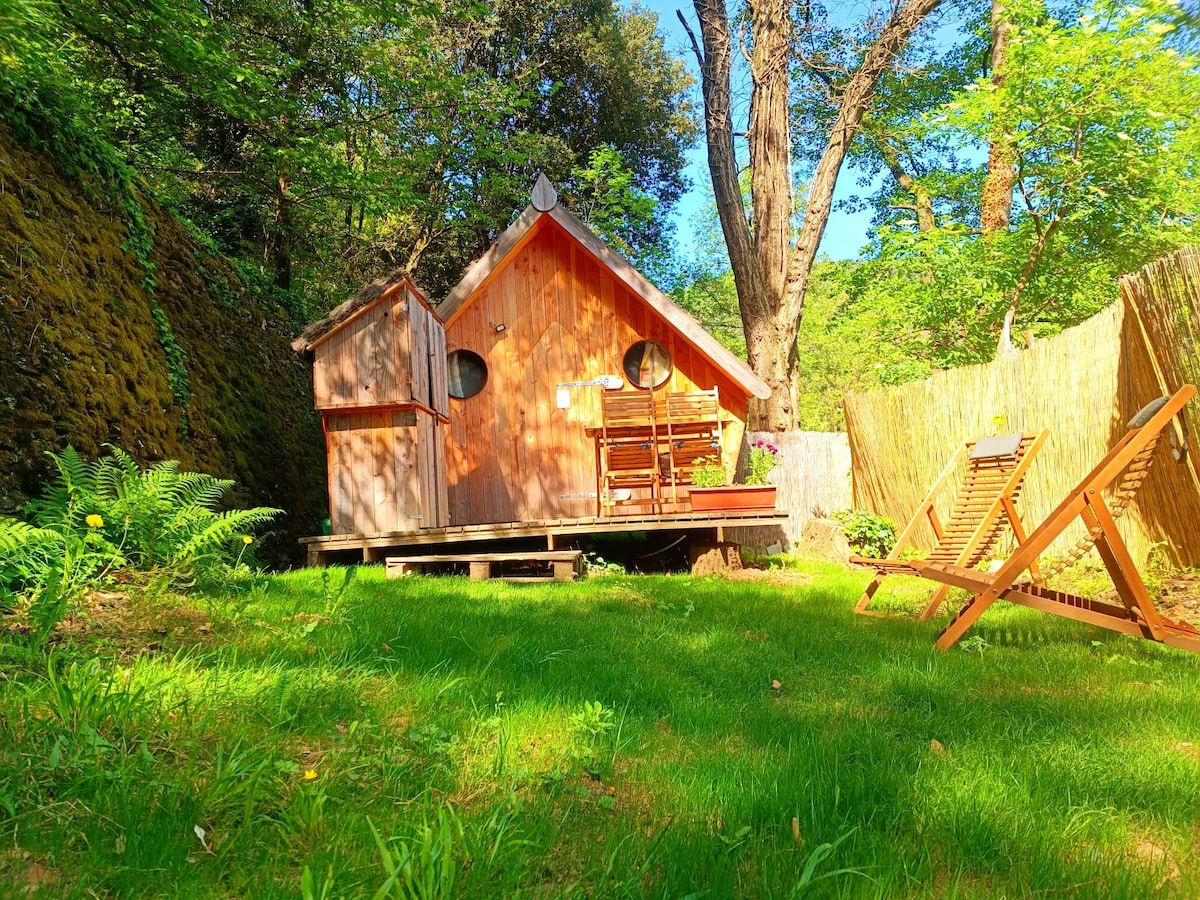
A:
986, 499
628, 450
1129, 461
693, 434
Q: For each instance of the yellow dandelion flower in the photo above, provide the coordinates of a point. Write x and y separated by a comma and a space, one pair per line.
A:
246, 539
310, 774
95, 520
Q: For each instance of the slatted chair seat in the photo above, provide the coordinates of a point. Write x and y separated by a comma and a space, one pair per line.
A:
1119, 474
985, 503
695, 407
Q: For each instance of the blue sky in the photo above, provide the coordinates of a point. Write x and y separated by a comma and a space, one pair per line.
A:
845, 234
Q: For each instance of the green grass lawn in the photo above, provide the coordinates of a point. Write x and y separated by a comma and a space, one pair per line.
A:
625, 736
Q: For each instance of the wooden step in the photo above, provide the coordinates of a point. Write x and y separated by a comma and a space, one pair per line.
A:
564, 565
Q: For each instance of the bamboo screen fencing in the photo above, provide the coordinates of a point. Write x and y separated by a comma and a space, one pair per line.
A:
1083, 384
812, 474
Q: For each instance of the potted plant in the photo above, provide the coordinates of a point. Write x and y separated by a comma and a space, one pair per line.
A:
710, 491
763, 457
709, 473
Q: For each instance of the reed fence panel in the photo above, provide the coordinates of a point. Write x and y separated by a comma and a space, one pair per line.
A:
1083, 384
1163, 324
812, 474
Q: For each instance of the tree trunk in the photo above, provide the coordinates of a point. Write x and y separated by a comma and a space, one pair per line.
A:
755, 303
281, 240
1005, 345
771, 349
922, 201
716, 61
996, 205
771, 274
770, 144
856, 100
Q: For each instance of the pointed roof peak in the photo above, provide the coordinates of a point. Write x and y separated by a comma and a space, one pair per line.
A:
521, 231
544, 198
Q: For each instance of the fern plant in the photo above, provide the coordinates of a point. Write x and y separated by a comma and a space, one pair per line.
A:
161, 518
98, 517
26, 556
44, 572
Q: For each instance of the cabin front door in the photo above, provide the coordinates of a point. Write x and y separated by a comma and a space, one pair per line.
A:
553, 460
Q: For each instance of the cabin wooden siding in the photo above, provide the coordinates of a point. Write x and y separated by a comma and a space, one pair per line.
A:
379, 379
512, 455
385, 471
439, 392
390, 352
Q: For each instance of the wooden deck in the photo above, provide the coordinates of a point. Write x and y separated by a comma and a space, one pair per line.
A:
554, 532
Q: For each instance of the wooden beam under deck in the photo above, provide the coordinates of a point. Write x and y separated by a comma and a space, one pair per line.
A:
552, 530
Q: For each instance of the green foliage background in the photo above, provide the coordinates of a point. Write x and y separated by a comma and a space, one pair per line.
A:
1098, 110
86, 364
334, 141
184, 185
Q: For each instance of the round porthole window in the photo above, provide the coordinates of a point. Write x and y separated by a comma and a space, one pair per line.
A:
647, 364
466, 374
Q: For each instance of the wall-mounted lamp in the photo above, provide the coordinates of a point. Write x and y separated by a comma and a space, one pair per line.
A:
501, 328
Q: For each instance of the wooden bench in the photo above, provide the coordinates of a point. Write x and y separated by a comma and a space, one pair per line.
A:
564, 564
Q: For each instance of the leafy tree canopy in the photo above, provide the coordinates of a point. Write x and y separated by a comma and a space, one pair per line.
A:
1097, 104
327, 140
1099, 112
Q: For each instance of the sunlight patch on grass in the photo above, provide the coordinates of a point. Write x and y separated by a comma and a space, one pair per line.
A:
623, 736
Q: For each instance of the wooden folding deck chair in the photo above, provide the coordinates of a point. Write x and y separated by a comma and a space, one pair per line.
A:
628, 451
1128, 461
986, 499
693, 434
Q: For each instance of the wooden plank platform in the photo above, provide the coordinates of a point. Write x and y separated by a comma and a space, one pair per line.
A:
564, 564
375, 547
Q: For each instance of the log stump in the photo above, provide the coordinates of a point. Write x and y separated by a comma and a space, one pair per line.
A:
714, 559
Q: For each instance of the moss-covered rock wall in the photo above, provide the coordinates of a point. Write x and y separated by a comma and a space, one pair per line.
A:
199, 369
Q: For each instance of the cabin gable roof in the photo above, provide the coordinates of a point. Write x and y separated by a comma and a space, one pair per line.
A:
341, 316
478, 273
521, 231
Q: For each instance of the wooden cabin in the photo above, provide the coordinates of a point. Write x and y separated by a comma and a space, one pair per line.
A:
379, 381
537, 328
493, 416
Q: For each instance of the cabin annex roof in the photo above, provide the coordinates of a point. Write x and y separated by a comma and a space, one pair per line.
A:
319, 331
518, 234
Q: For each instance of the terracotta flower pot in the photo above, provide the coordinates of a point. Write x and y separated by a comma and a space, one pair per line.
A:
734, 496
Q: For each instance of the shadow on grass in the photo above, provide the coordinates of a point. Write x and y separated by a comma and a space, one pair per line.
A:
752, 705
761, 736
